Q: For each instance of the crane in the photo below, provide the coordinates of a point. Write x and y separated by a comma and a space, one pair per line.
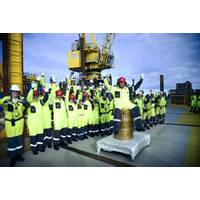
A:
87, 57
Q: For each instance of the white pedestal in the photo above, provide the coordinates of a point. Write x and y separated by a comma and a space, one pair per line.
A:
130, 147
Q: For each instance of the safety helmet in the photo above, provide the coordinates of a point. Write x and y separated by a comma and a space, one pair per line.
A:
59, 93
121, 80
38, 78
15, 87
71, 97
142, 91
73, 79
35, 93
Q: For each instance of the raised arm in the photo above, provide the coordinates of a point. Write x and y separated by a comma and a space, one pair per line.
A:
139, 83
30, 96
107, 85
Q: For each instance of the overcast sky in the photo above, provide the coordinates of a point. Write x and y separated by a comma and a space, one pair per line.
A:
177, 56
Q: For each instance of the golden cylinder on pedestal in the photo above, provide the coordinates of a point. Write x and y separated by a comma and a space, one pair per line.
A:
126, 129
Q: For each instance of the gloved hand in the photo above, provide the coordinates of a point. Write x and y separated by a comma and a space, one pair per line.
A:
71, 74
33, 85
105, 77
21, 101
46, 89
5, 102
142, 76
78, 87
133, 82
93, 87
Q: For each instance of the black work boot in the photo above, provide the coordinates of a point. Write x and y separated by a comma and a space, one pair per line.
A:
20, 158
80, 137
12, 162
56, 147
35, 152
68, 140
85, 136
97, 133
102, 134
74, 138
42, 149
140, 129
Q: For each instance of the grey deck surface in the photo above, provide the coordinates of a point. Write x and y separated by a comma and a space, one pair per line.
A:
168, 147
52, 158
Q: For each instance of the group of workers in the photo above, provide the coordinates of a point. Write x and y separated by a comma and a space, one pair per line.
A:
152, 107
195, 102
73, 110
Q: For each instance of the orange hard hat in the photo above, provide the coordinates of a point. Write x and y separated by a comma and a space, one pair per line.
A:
71, 97
86, 95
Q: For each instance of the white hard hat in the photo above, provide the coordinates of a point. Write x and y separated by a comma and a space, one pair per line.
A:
38, 78
91, 81
15, 87
42, 74
84, 87
78, 87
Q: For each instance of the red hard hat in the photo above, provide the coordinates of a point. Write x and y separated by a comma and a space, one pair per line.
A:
121, 80
35, 93
59, 93
71, 97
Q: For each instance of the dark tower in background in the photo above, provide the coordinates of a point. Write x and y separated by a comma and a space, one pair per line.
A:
162, 83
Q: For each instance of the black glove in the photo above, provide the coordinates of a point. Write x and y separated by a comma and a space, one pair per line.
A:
5, 102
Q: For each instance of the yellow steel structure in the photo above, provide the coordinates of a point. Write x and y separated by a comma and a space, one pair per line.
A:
1, 77
12, 70
15, 59
94, 42
87, 57
74, 60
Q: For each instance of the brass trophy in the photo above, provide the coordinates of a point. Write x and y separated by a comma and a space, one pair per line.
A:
126, 129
